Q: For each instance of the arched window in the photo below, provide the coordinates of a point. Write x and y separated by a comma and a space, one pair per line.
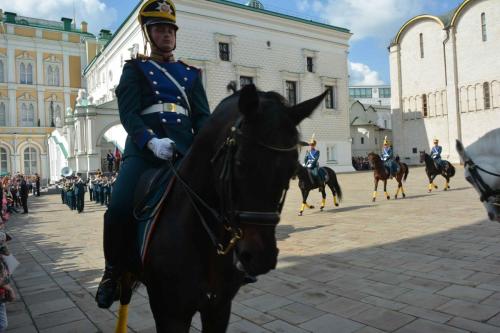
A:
30, 161
424, 105
50, 80
483, 27
56, 75
2, 79
486, 95
3, 115
421, 45
22, 72
3, 162
27, 115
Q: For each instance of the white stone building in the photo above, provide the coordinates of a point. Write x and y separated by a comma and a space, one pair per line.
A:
445, 79
373, 95
369, 125
232, 42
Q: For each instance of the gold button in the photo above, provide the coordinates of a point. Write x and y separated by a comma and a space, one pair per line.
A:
155, 83
163, 120
185, 79
188, 68
151, 73
157, 92
178, 120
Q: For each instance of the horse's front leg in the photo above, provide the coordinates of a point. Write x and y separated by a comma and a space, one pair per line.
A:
385, 190
323, 200
447, 184
215, 318
168, 317
375, 190
305, 194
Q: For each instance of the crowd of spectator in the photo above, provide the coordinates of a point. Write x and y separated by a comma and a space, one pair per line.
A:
361, 163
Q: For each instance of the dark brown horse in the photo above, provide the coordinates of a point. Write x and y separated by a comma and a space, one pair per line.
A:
219, 221
307, 183
380, 173
447, 170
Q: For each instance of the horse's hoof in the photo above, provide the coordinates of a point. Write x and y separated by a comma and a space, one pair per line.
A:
373, 200
388, 198
321, 208
429, 191
311, 207
446, 189
300, 213
435, 186
404, 195
336, 205
395, 197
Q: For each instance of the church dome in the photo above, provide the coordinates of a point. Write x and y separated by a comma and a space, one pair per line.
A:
255, 4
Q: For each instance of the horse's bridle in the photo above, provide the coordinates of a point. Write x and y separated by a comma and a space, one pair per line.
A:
484, 189
230, 218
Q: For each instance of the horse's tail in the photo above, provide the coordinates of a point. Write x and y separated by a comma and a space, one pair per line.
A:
334, 182
407, 171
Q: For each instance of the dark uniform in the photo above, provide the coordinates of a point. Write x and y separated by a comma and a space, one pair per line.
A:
150, 106
80, 195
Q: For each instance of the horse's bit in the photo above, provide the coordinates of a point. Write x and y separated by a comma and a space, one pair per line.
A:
485, 190
227, 215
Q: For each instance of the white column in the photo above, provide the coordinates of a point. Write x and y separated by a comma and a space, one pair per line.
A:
39, 68
12, 112
44, 169
11, 64
41, 109
396, 98
454, 123
66, 70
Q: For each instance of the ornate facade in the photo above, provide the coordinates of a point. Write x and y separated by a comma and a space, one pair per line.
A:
41, 65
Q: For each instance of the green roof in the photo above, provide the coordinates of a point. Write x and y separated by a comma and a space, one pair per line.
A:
13, 18
237, 5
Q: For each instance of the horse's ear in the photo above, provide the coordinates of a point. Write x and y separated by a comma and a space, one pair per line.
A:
461, 150
303, 110
249, 100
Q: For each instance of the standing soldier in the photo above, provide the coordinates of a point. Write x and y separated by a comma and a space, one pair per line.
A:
37, 184
79, 194
161, 102
111, 159
91, 187
23, 192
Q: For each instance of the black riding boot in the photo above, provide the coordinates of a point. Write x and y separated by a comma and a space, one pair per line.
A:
107, 292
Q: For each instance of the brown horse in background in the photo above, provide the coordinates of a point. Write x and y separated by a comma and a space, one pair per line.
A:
380, 173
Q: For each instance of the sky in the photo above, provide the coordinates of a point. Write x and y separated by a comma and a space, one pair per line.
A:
372, 22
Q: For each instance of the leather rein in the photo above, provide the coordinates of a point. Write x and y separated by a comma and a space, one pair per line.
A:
227, 216
485, 190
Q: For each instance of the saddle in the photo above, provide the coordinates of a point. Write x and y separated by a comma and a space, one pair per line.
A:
319, 178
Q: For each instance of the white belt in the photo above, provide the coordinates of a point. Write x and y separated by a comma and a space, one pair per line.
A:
165, 107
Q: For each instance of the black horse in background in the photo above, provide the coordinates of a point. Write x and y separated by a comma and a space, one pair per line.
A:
219, 220
447, 170
308, 183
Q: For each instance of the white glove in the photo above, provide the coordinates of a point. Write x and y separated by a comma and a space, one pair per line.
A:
162, 148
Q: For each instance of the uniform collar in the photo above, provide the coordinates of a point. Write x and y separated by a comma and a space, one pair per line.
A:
160, 57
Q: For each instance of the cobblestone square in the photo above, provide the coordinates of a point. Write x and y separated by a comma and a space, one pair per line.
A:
428, 263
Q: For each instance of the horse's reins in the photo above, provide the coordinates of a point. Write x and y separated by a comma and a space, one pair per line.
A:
485, 190
229, 217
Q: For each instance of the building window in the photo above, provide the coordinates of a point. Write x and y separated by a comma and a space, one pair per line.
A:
2, 79
30, 161
486, 95
424, 105
331, 154
3, 162
362, 140
291, 92
26, 71
310, 64
385, 123
3, 115
421, 45
53, 75
483, 27
27, 115
224, 54
245, 81
360, 92
330, 97
384, 92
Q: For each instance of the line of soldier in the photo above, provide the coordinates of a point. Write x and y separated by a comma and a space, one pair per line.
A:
101, 188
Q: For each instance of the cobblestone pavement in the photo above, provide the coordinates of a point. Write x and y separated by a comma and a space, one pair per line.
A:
428, 263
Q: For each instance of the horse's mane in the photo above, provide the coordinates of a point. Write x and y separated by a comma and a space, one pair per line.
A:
488, 144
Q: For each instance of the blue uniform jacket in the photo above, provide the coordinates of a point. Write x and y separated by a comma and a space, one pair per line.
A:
436, 152
387, 154
311, 159
142, 85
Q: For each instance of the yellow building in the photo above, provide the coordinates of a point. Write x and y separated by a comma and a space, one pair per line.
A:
41, 65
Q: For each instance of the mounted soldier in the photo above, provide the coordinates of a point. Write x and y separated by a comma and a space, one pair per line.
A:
388, 157
436, 154
311, 162
162, 106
